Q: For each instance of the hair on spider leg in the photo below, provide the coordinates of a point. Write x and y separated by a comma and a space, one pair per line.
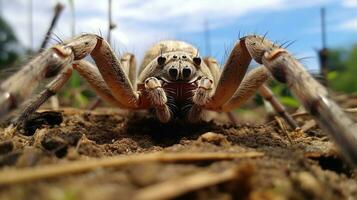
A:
276, 43
8, 71
197, 52
115, 47
161, 50
54, 39
100, 32
264, 36
215, 55
289, 44
123, 48
284, 43
255, 33
314, 72
120, 50
225, 54
57, 37
302, 59
239, 34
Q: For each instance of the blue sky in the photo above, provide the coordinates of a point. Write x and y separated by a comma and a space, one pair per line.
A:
142, 23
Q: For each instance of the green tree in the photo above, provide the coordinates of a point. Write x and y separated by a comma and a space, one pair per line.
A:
8, 45
343, 69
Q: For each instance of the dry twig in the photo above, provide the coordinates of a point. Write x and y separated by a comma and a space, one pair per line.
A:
309, 125
351, 110
173, 188
282, 126
12, 176
300, 114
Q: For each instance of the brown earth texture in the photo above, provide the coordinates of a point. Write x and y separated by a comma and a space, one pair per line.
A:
107, 154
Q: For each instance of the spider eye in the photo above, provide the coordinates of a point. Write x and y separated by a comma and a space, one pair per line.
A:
161, 60
186, 72
197, 60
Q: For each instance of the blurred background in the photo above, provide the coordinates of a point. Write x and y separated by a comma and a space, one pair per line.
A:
321, 33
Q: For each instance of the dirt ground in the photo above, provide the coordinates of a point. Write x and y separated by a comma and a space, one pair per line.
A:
307, 167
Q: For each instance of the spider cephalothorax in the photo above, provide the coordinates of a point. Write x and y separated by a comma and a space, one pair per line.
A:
173, 77
178, 72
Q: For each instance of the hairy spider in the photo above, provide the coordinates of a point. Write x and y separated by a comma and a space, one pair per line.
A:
175, 82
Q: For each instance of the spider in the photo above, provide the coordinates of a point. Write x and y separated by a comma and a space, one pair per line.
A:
176, 83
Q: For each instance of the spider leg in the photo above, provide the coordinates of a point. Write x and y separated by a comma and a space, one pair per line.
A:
109, 67
268, 95
249, 86
205, 89
253, 82
286, 69
201, 96
86, 70
56, 58
129, 65
231, 76
158, 98
216, 72
51, 89
249, 47
234, 71
92, 75
213, 66
45, 65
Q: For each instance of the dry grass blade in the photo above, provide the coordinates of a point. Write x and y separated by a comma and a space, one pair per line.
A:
300, 114
283, 128
13, 176
351, 110
308, 125
173, 188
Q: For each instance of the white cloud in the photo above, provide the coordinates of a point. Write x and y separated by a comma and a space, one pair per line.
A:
349, 3
140, 23
350, 25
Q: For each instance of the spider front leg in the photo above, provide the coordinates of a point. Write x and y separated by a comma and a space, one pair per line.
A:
114, 85
231, 91
158, 98
233, 88
113, 73
51, 89
91, 74
86, 70
315, 99
201, 96
45, 65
